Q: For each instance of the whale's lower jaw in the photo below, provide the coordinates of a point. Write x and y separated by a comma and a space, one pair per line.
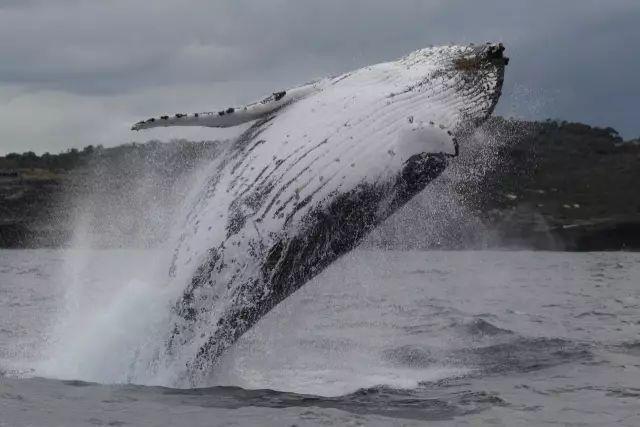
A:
308, 182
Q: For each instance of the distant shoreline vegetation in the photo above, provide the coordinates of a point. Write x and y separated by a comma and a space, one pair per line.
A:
74, 157
557, 186
67, 160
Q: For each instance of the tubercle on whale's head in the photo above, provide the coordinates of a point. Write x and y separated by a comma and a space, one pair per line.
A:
482, 60
492, 53
486, 62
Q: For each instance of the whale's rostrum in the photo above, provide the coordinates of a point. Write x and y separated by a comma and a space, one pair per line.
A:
323, 165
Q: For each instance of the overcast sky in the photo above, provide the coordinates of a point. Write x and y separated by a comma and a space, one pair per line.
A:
74, 72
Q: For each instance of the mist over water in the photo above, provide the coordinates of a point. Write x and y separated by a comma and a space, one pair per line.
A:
113, 320
440, 214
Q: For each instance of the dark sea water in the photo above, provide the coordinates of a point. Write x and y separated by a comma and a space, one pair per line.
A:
379, 338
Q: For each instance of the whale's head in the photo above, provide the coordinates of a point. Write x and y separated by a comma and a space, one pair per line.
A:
374, 124
455, 88
435, 98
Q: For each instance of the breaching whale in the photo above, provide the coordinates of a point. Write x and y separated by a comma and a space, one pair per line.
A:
323, 165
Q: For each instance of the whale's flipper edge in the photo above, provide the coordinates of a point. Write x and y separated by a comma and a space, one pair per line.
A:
233, 116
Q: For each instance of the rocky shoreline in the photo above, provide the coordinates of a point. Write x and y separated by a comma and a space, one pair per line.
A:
124, 195
557, 186
564, 186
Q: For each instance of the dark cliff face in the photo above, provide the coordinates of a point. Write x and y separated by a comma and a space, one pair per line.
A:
555, 186
29, 203
125, 195
562, 186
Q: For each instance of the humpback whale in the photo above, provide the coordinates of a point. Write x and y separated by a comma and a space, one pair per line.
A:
323, 165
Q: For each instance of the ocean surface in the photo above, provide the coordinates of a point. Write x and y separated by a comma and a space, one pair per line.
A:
379, 338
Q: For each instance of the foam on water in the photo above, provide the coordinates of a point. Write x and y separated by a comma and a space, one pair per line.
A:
111, 328
100, 342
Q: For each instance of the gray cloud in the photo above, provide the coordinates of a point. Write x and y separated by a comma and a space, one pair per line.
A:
75, 72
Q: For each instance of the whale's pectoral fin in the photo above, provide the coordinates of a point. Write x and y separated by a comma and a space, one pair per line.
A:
224, 118
233, 116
